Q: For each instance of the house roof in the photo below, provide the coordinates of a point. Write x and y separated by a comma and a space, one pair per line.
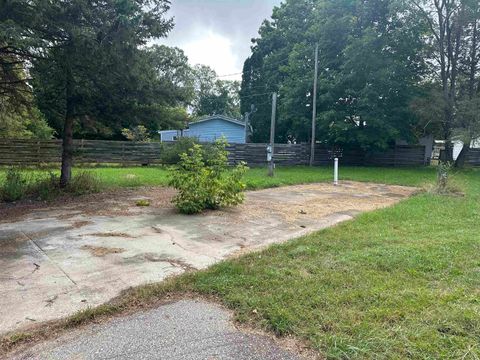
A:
216, 117
167, 131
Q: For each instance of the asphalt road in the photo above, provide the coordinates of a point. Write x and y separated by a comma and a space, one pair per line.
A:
183, 330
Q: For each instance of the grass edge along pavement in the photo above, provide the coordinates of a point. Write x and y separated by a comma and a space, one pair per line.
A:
401, 282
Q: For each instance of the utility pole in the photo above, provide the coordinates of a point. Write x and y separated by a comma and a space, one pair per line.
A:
271, 148
314, 112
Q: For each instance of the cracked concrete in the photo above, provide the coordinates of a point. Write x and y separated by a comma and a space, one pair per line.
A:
57, 261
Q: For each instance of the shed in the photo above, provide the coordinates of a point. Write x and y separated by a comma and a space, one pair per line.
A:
214, 127
169, 135
172, 135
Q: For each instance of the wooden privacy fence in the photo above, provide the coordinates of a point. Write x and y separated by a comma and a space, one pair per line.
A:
33, 152
473, 157
256, 154
299, 154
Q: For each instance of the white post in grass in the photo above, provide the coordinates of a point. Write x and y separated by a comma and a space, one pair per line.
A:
335, 172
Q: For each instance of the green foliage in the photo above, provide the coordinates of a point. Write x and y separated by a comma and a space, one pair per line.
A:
19, 116
214, 96
369, 66
143, 203
205, 181
44, 187
138, 133
90, 65
18, 184
15, 186
170, 153
84, 182
23, 123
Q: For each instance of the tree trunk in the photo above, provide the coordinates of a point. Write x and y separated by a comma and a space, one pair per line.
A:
447, 132
460, 163
448, 154
67, 144
67, 151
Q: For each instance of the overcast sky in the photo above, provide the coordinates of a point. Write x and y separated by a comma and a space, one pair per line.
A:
217, 32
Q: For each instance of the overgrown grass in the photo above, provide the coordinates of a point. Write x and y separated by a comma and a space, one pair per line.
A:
397, 283
16, 184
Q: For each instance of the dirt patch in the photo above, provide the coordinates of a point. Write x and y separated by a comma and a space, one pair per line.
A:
116, 202
318, 200
112, 234
80, 224
100, 251
152, 257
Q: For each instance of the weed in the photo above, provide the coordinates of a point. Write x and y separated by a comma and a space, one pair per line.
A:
143, 203
84, 182
91, 314
15, 186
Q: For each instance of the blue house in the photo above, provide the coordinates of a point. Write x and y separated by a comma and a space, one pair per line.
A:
209, 129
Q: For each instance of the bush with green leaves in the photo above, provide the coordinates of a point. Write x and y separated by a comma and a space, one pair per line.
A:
84, 182
15, 186
170, 152
205, 181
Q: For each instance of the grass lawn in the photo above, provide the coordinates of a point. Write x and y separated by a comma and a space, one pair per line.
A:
397, 283
256, 178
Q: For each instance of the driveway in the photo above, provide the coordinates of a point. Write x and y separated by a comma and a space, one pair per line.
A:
186, 330
60, 259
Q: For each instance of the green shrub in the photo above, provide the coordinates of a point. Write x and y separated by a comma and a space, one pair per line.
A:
15, 186
45, 188
143, 203
205, 181
83, 183
171, 152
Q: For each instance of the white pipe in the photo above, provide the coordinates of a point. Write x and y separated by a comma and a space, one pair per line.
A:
335, 172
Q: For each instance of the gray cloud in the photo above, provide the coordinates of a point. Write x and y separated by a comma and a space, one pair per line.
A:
225, 25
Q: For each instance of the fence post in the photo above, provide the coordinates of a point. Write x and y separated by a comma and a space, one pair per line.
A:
81, 152
123, 154
395, 156
335, 171
38, 152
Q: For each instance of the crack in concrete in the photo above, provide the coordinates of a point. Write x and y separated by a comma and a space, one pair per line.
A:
49, 258
175, 242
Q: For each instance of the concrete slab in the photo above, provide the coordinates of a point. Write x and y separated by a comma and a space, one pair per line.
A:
185, 330
59, 260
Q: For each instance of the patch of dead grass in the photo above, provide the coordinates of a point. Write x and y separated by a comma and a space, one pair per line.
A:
111, 234
80, 224
100, 251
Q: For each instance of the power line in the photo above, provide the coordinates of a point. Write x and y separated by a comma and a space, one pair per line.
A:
227, 75
241, 73
254, 95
